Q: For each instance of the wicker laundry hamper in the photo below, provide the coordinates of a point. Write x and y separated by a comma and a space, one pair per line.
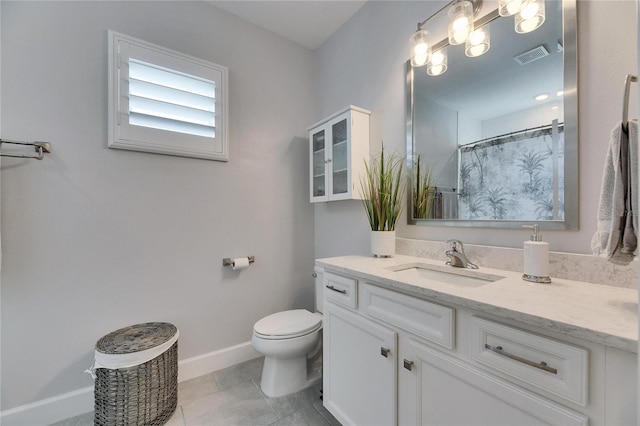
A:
136, 373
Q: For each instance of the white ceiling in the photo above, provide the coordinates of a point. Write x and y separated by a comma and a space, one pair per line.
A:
306, 22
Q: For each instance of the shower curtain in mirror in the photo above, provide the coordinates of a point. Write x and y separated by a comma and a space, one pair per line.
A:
511, 177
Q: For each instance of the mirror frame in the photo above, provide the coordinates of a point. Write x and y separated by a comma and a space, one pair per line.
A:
571, 199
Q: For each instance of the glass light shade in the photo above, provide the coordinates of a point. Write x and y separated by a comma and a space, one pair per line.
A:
530, 17
420, 48
509, 7
460, 22
478, 42
438, 63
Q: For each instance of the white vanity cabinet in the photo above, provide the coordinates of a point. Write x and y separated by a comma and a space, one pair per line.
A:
436, 388
392, 358
442, 389
359, 364
339, 147
358, 358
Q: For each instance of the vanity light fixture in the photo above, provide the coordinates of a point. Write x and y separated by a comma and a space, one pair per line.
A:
462, 29
530, 17
460, 22
560, 93
438, 63
478, 42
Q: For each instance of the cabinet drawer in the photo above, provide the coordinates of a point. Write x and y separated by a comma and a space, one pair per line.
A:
341, 289
543, 363
425, 319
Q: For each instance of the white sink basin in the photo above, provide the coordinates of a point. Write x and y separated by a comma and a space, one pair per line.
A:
444, 274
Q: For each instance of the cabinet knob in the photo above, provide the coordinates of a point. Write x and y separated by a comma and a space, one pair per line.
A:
385, 352
408, 364
314, 275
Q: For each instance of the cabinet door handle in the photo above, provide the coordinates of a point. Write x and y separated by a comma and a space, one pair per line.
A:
408, 364
330, 287
541, 365
385, 352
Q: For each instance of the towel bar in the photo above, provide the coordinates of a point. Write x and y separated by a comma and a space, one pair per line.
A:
40, 147
625, 99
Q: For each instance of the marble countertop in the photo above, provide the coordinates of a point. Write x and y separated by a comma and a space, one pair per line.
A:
597, 313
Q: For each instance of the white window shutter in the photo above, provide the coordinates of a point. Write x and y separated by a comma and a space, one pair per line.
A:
166, 102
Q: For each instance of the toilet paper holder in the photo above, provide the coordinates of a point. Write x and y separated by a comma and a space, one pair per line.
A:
228, 261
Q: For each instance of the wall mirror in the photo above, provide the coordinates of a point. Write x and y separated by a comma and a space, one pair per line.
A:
492, 150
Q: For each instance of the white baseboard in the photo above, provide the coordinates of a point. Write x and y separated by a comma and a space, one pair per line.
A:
213, 361
50, 410
75, 403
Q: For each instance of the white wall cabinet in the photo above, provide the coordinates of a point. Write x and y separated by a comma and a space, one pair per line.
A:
452, 365
339, 146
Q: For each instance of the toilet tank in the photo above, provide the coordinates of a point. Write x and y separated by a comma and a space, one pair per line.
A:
319, 274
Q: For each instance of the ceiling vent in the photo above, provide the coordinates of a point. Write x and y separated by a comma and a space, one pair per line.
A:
532, 55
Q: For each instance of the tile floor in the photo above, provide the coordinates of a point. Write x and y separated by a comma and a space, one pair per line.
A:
232, 397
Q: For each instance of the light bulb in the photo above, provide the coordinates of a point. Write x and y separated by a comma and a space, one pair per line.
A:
460, 22
438, 63
529, 10
478, 43
420, 48
531, 16
509, 7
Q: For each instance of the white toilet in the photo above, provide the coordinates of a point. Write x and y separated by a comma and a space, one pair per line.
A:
288, 340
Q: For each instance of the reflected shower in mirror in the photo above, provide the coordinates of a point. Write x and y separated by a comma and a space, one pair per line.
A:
492, 142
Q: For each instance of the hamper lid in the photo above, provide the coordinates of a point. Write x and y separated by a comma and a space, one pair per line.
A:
287, 323
136, 338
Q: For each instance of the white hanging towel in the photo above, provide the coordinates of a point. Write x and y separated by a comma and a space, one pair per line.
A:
616, 236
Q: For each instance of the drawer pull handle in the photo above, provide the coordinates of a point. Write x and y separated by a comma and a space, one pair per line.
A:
330, 287
541, 365
385, 352
408, 364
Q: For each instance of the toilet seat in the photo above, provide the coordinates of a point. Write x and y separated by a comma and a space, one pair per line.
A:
287, 325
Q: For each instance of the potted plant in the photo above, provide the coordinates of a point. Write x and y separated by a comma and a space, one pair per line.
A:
382, 190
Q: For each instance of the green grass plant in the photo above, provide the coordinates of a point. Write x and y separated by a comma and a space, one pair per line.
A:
382, 189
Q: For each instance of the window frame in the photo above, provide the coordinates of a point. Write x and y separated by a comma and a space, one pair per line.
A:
123, 135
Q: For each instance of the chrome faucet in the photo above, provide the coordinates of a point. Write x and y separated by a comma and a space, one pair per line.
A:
456, 255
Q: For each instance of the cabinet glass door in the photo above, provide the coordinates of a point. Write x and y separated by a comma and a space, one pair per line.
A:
339, 175
318, 164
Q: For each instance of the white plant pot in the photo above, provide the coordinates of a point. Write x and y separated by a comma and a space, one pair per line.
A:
383, 243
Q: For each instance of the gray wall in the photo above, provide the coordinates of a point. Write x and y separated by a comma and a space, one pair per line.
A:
95, 239
363, 64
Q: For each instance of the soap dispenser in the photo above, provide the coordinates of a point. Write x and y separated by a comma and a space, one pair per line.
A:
536, 258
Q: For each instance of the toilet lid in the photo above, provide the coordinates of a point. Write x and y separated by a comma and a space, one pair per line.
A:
288, 323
